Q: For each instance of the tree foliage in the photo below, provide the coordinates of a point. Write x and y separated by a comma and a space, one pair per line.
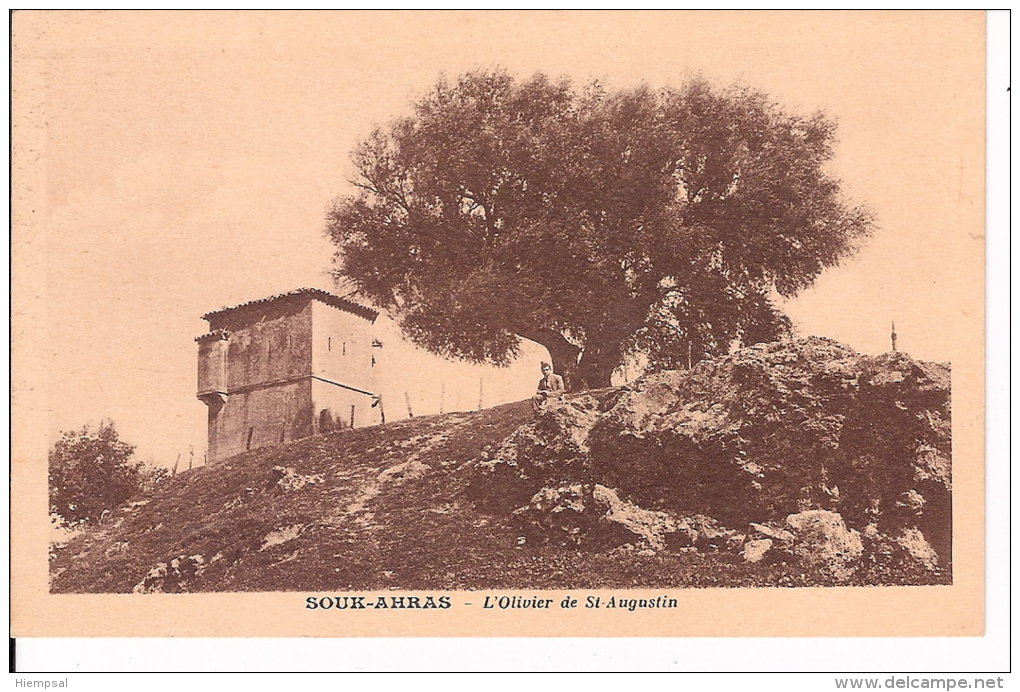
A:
93, 470
594, 222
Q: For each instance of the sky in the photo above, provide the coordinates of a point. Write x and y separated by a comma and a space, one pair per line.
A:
186, 162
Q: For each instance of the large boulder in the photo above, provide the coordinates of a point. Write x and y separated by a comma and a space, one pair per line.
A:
550, 449
821, 539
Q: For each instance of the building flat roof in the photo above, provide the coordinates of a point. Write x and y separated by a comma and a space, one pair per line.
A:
313, 293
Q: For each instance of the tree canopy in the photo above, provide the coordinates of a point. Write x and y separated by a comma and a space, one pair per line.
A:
596, 223
93, 470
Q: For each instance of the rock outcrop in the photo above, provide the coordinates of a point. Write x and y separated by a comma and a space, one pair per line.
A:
805, 443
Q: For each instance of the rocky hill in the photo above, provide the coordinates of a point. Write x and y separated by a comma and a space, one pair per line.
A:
795, 463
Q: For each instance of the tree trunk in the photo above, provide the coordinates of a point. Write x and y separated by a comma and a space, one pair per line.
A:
595, 370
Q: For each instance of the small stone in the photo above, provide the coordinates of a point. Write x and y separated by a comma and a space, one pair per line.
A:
754, 551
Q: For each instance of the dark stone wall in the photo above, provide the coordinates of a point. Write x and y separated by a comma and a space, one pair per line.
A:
266, 372
260, 418
212, 372
268, 344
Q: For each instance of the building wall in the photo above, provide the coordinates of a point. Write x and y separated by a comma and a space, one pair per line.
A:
342, 347
267, 343
266, 370
343, 367
332, 407
289, 368
212, 366
260, 417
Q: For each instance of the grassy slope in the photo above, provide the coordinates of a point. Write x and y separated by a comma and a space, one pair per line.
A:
362, 529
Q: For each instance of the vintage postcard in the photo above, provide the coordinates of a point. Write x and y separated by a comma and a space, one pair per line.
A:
354, 324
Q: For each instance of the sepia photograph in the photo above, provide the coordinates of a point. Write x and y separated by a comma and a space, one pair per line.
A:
670, 313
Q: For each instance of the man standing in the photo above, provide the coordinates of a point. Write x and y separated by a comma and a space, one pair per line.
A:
550, 386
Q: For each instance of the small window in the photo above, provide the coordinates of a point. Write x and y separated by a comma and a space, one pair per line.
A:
329, 343
344, 346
